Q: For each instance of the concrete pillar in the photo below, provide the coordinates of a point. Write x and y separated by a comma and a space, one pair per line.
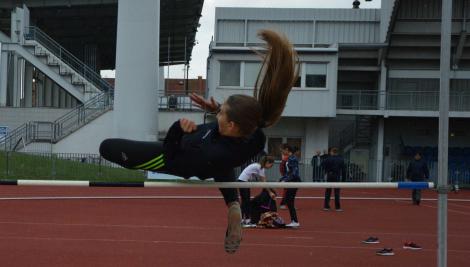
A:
380, 150
383, 87
62, 98
74, 102
40, 90
3, 77
316, 136
48, 94
137, 70
386, 10
55, 95
47, 87
15, 100
19, 22
68, 101
28, 86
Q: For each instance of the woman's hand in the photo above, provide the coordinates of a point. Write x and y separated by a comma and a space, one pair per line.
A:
272, 195
188, 126
208, 105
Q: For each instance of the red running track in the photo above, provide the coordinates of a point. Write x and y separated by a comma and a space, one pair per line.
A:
189, 232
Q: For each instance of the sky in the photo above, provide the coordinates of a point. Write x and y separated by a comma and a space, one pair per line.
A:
206, 30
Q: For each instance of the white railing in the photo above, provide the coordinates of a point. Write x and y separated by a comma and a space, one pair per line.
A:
35, 34
400, 100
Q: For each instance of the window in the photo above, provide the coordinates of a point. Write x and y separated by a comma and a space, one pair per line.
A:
251, 73
229, 73
315, 75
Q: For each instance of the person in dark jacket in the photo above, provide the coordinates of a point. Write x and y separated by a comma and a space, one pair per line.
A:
292, 175
317, 172
213, 150
417, 171
335, 171
282, 171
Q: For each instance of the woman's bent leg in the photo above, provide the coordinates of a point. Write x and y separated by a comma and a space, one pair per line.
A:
133, 154
233, 235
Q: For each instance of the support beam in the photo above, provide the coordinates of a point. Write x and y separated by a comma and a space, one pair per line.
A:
442, 188
380, 150
3, 77
459, 50
28, 86
135, 102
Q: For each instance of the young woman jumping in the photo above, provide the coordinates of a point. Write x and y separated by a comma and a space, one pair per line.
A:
214, 149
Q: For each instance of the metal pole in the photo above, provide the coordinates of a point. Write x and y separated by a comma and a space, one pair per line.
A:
185, 69
442, 188
168, 66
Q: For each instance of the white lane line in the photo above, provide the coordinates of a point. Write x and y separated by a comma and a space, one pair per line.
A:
298, 237
108, 197
198, 243
448, 210
297, 231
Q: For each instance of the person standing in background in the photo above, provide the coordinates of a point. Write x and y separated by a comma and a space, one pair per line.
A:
417, 172
335, 171
282, 171
322, 158
292, 175
317, 172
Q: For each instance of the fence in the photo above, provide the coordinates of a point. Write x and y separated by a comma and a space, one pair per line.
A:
76, 166
73, 166
400, 100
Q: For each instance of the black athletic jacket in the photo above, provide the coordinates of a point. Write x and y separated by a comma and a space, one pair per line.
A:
417, 170
334, 168
205, 153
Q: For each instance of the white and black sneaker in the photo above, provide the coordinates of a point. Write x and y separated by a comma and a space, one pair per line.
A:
385, 252
371, 240
411, 245
293, 224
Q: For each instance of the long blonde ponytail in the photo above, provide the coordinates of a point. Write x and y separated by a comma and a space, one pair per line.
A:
279, 71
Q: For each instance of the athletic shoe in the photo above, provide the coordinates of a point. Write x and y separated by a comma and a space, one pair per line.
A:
283, 207
249, 225
233, 235
411, 245
385, 252
293, 224
326, 209
339, 210
371, 240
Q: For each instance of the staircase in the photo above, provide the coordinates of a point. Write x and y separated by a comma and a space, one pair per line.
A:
363, 131
356, 135
64, 63
53, 132
58, 64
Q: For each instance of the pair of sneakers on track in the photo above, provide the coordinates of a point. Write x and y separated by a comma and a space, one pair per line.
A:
389, 251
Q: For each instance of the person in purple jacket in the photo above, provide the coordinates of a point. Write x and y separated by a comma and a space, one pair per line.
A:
214, 149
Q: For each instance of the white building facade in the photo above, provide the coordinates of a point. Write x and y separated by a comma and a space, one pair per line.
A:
369, 81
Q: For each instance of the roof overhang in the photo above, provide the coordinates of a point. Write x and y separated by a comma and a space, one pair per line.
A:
77, 23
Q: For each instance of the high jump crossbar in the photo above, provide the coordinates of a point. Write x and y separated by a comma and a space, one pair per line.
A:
203, 184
